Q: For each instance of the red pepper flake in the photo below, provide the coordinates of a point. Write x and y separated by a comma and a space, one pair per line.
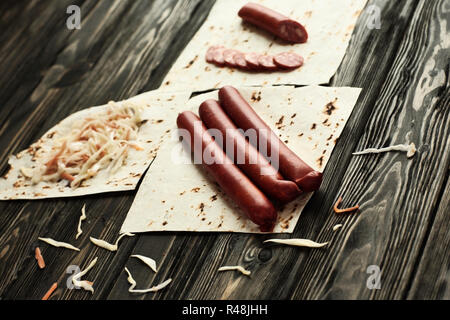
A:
50, 291
39, 258
337, 210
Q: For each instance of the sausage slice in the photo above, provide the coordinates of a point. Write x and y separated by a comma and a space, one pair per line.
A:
218, 57
252, 60
267, 63
228, 57
288, 60
239, 59
210, 53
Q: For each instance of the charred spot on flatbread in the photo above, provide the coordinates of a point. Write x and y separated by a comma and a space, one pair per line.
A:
330, 107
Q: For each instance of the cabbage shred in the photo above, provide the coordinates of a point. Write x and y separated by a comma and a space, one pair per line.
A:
93, 144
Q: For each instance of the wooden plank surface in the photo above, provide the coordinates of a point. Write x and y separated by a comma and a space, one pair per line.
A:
432, 278
126, 47
397, 195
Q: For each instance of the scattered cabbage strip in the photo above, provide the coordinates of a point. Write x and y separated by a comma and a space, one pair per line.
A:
104, 244
82, 218
148, 261
39, 258
59, 244
133, 284
235, 268
86, 285
27, 172
95, 143
298, 243
130, 280
108, 246
50, 291
337, 227
409, 149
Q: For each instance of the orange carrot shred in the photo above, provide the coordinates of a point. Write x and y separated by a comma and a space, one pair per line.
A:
337, 210
52, 165
136, 147
39, 258
50, 291
67, 176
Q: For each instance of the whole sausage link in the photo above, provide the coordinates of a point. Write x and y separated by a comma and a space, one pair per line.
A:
232, 181
246, 156
274, 22
290, 165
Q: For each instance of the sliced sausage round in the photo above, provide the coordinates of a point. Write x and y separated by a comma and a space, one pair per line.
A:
266, 62
218, 57
288, 60
228, 57
211, 52
239, 59
252, 60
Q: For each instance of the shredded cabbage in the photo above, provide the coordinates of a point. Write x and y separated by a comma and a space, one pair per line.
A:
93, 144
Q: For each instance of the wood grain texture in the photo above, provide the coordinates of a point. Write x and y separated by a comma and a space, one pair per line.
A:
432, 278
126, 47
397, 196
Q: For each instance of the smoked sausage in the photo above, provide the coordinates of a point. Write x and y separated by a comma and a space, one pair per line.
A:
274, 22
290, 165
232, 181
246, 156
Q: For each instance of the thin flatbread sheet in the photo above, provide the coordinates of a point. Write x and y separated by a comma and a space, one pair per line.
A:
156, 107
177, 195
330, 24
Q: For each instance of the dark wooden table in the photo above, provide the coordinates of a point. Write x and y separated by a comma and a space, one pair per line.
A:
47, 72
